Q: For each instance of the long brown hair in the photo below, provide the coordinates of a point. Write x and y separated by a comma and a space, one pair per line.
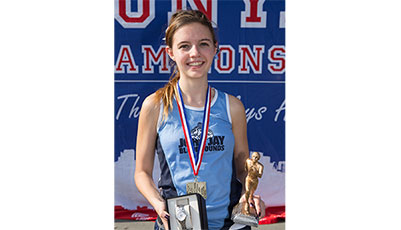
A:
179, 19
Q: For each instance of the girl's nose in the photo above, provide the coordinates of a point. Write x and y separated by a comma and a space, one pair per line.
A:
194, 52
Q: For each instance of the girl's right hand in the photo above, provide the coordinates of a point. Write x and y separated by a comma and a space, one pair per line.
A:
163, 214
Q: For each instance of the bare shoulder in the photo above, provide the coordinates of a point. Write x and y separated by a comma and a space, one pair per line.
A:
150, 106
150, 102
236, 106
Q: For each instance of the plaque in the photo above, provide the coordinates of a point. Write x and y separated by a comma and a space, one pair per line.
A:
244, 212
187, 212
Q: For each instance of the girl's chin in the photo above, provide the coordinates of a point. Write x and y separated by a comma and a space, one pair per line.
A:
196, 72
195, 75
197, 68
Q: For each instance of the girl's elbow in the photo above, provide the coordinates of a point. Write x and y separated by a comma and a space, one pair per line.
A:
137, 177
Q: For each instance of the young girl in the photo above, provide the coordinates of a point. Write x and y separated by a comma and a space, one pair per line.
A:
198, 132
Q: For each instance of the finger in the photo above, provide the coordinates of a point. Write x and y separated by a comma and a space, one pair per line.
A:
256, 199
165, 217
165, 224
242, 199
257, 205
252, 203
262, 208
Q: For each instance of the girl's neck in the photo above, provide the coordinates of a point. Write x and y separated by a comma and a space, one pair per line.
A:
194, 91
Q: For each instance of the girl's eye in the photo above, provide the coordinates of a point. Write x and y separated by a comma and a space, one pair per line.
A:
184, 47
204, 44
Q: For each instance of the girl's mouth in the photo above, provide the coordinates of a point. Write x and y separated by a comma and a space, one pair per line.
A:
196, 64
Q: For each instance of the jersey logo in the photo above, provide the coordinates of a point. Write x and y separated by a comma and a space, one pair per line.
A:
196, 133
213, 143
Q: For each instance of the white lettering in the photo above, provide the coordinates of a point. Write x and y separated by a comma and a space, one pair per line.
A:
251, 57
126, 60
151, 57
282, 20
134, 108
139, 19
258, 115
276, 57
209, 8
279, 110
225, 61
253, 16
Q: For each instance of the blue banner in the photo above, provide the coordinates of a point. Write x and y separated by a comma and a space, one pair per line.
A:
250, 65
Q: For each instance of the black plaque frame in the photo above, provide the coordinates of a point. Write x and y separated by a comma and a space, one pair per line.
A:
197, 206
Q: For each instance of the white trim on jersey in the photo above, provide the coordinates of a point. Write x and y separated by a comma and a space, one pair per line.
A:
228, 108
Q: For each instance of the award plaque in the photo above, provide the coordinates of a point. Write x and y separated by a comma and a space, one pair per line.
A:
244, 212
187, 212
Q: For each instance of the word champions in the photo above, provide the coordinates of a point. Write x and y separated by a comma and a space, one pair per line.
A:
224, 63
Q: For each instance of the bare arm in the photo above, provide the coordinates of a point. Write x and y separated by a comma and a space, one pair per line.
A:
241, 151
145, 155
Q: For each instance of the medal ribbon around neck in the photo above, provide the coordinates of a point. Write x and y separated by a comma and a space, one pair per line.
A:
195, 156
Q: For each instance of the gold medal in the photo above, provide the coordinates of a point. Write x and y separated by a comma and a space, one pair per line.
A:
197, 187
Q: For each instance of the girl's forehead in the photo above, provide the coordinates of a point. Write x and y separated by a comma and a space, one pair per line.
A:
192, 31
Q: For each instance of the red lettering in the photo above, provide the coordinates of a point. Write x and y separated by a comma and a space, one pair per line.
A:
150, 56
254, 12
210, 9
277, 57
253, 16
247, 57
125, 58
226, 52
201, 7
140, 19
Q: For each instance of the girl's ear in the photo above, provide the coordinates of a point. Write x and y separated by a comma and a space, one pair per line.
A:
169, 51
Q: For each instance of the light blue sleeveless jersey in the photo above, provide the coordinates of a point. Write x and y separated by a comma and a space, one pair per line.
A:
217, 167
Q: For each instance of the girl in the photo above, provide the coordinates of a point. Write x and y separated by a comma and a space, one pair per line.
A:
198, 132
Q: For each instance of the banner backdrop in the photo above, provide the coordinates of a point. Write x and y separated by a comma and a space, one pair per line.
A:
250, 66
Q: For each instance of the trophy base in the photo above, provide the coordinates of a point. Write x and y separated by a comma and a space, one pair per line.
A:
239, 216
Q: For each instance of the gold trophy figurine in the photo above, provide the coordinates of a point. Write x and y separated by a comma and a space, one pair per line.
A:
244, 213
255, 171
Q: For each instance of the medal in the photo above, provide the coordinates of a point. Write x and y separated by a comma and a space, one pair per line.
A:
195, 157
197, 187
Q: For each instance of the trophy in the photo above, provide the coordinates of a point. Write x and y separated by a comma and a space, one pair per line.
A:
244, 212
187, 212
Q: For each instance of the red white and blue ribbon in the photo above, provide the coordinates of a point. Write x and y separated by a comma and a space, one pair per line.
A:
195, 156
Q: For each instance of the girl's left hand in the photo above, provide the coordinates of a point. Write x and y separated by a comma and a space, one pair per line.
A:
257, 203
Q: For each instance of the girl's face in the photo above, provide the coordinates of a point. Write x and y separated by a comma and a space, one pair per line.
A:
193, 50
